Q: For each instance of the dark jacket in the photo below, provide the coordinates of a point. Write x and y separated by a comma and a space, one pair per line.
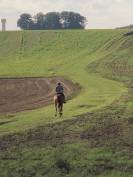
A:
59, 89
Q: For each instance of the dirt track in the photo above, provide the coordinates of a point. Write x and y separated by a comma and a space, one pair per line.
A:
19, 94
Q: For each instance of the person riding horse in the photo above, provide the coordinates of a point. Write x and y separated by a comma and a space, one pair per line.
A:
60, 91
59, 99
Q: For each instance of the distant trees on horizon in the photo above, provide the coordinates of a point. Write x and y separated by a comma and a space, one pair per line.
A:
52, 20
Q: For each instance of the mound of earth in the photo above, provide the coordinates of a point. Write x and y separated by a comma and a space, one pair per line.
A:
19, 94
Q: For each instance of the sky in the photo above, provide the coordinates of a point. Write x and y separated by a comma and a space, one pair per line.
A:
99, 13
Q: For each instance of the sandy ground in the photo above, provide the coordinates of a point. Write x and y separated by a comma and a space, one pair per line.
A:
19, 94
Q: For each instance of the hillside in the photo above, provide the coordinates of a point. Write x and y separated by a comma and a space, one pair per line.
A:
94, 137
126, 27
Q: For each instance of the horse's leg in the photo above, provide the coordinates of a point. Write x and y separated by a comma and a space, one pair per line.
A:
56, 109
55, 102
60, 109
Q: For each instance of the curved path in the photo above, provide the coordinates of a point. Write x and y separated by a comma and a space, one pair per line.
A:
19, 94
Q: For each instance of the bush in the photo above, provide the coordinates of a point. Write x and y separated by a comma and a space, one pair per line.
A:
63, 165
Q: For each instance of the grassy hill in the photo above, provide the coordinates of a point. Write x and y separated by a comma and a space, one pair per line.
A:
126, 27
63, 53
94, 136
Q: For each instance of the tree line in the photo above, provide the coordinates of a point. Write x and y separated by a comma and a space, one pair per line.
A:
52, 20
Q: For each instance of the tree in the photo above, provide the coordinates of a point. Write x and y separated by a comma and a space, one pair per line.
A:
72, 20
25, 22
52, 20
39, 21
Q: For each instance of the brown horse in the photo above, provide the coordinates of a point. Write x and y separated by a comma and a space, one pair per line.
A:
58, 101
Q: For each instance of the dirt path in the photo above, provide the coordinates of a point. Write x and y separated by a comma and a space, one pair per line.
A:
19, 94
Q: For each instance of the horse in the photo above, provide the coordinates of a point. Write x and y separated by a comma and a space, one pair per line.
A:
58, 102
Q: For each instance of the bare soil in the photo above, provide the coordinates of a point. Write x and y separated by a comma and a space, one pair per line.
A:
20, 94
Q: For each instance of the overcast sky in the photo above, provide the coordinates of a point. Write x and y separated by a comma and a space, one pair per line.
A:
100, 13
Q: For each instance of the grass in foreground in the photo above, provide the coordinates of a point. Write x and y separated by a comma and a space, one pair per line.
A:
94, 144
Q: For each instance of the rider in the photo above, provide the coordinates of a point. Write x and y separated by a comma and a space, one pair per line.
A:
60, 90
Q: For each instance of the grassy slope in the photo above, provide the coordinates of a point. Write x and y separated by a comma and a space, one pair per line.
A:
94, 144
65, 53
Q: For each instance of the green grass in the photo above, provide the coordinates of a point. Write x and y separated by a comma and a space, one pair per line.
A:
64, 53
94, 138
71, 161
